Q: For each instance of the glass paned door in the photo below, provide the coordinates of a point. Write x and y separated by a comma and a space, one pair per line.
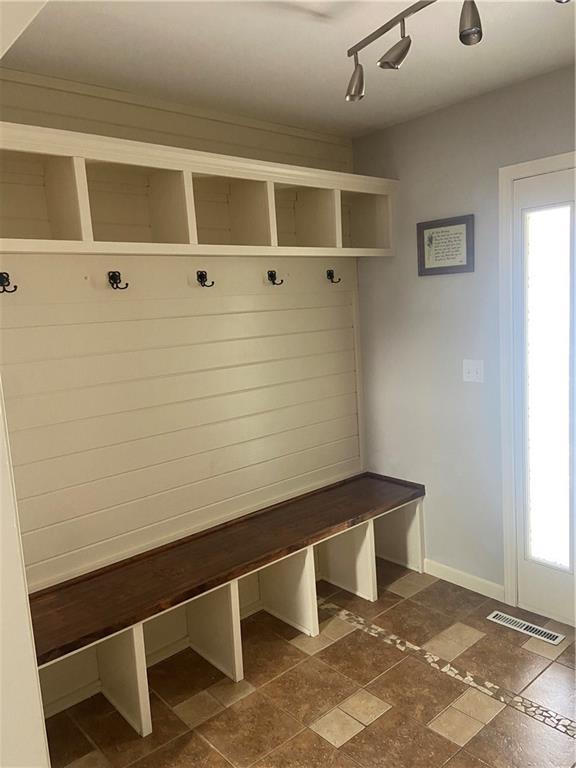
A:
544, 379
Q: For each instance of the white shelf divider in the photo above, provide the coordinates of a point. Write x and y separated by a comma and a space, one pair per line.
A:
288, 591
214, 629
122, 668
83, 201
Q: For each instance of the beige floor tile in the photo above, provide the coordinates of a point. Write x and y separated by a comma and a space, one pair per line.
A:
504, 664
334, 628
91, 760
66, 741
337, 727
513, 740
456, 726
453, 641
248, 730
197, 709
555, 689
309, 691
478, 705
228, 692
364, 706
411, 584
548, 650
311, 645
395, 740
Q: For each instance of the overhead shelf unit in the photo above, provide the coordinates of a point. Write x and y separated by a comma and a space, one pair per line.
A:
67, 192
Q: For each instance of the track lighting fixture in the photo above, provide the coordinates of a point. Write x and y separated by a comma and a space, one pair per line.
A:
470, 24
396, 55
355, 90
470, 33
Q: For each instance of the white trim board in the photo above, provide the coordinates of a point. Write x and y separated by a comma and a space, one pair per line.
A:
507, 176
463, 579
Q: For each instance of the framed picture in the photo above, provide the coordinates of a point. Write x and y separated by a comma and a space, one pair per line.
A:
446, 246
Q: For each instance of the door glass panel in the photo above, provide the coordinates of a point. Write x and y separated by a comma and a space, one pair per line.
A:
548, 303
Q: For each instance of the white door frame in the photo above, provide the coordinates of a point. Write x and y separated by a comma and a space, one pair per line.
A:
507, 176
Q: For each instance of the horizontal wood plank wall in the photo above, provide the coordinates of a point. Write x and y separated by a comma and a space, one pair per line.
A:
139, 416
54, 103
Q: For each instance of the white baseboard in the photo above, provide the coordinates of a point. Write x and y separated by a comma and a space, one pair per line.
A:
463, 579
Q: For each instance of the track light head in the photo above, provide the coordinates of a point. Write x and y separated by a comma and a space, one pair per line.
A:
396, 55
355, 90
470, 24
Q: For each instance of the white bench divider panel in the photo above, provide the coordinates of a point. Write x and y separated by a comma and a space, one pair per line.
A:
348, 560
214, 629
288, 591
122, 667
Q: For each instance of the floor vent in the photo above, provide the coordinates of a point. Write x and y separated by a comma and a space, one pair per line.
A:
528, 629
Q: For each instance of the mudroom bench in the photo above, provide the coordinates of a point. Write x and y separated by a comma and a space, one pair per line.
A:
328, 533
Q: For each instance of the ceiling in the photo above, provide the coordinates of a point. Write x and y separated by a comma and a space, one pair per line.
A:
286, 61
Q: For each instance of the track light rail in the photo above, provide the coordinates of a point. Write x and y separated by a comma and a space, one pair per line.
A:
393, 22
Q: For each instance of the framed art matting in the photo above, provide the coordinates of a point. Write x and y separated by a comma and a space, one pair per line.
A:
446, 246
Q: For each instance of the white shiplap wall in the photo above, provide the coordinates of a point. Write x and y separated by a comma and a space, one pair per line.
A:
140, 416
54, 103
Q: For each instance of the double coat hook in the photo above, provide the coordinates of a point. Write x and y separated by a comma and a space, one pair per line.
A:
271, 274
330, 275
202, 278
115, 278
5, 283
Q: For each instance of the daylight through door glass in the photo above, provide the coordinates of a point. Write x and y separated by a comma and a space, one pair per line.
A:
548, 311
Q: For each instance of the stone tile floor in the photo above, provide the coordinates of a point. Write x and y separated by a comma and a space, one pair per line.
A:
419, 679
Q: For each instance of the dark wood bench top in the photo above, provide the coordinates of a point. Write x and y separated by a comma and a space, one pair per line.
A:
78, 612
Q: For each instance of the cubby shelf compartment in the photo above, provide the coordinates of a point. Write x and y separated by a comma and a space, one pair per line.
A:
348, 560
306, 216
38, 197
135, 204
365, 220
232, 211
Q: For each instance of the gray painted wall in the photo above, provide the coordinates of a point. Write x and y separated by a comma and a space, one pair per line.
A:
424, 423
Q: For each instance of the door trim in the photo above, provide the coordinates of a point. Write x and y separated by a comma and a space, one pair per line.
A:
507, 176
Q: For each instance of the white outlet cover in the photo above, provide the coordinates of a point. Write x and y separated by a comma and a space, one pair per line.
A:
473, 371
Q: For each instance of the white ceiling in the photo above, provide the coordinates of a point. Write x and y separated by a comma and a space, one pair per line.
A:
286, 61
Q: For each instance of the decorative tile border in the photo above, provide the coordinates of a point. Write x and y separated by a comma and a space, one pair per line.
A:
548, 717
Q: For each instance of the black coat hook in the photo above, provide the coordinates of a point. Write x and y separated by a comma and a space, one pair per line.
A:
330, 276
5, 283
115, 278
202, 277
272, 277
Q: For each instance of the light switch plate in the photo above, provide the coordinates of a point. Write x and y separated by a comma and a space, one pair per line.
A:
473, 370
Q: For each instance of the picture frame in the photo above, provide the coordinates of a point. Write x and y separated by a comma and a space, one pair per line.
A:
446, 246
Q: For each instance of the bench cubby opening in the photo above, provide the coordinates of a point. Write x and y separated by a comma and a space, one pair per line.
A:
288, 591
365, 220
399, 536
208, 624
135, 204
232, 211
116, 667
38, 197
306, 216
348, 561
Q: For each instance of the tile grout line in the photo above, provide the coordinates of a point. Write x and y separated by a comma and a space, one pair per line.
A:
542, 714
